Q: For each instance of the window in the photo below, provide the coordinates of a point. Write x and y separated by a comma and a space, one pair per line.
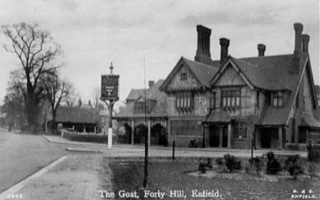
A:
141, 107
240, 130
184, 101
277, 99
230, 98
183, 76
212, 100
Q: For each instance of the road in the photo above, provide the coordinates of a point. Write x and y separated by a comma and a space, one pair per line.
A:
22, 155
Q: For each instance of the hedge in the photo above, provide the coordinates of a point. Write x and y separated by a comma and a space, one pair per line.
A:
85, 137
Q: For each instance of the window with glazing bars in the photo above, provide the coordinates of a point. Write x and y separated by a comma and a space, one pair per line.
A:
277, 99
184, 100
240, 130
230, 98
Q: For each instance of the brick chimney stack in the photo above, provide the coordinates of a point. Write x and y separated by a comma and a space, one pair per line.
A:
305, 43
151, 84
261, 49
203, 47
224, 43
298, 27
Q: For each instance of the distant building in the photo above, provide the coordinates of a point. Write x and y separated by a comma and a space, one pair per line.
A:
270, 100
78, 119
145, 113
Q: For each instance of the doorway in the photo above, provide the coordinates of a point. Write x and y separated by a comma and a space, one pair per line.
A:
215, 136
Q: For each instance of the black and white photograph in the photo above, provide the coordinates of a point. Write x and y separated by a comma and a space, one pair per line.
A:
159, 99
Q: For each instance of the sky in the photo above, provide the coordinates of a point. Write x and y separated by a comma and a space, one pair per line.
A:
149, 37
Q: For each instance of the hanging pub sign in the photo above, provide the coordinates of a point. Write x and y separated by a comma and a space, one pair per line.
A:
109, 87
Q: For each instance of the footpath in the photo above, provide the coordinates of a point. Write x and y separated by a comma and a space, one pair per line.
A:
77, 176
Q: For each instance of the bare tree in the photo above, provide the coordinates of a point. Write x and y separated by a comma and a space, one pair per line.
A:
36, 51
57, 92
96, 93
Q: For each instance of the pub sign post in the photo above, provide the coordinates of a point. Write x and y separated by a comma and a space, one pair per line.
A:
109, 95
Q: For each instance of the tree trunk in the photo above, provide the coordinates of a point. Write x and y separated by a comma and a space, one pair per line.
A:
32, 110
54, 115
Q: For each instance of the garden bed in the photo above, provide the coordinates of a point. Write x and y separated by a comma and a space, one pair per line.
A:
167, 176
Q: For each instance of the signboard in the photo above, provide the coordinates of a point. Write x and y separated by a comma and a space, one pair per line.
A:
109, 87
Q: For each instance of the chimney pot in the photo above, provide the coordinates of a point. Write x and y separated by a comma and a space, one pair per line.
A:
261, 49
203, 47
151, 84
305, 43
298, 27
224, 43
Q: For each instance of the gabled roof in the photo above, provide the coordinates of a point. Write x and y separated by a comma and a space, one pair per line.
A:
267, 72
153, 94
202, 72
77, 115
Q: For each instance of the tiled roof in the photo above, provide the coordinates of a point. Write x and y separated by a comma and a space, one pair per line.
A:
203, 72
309, 121
77, 115
269, 73
135, 94
153, 93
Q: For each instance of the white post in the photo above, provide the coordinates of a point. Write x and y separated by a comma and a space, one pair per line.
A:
109, 138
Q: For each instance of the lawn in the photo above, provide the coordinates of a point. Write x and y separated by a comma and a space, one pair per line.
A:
168, 176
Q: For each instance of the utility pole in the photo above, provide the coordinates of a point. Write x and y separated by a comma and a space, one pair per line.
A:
109, 95
146, 148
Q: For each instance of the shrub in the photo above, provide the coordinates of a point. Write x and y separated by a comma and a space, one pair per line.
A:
209, 163
232, 163
202, 167
293, 166
219, 161
204, 164
257, 162
273, 165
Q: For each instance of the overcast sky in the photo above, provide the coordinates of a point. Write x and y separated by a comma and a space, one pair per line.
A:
155, 34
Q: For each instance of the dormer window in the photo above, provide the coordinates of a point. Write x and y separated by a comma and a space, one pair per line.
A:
183, 76
277, 99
